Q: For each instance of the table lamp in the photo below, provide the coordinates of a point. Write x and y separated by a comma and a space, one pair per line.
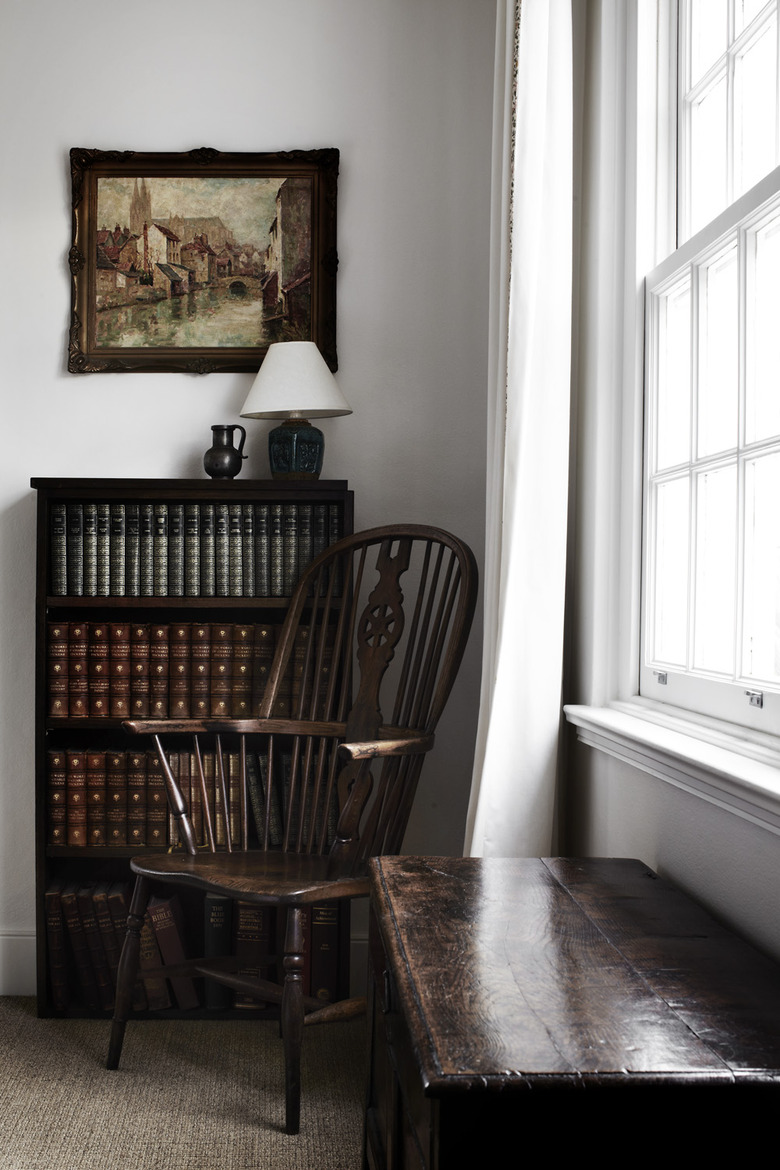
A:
295, 384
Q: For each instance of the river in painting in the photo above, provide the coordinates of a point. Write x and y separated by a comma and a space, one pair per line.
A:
213, 316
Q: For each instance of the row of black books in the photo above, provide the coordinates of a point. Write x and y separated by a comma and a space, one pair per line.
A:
97, 798
86, 925
186, 550
178, 670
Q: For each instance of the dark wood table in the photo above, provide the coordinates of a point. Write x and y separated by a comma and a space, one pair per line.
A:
568, 1001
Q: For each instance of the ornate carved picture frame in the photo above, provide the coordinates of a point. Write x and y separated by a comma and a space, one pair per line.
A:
198, 261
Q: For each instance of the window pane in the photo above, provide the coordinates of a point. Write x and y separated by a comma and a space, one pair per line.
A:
755, 110
709, 31
673, 444
716, 539
761, 636
763, 345
670, 595
709, 176
718, 356
744, 11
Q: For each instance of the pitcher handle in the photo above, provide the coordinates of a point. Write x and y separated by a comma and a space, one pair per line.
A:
240, 448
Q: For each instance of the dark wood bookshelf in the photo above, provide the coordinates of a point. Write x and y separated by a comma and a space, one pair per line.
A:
111, 862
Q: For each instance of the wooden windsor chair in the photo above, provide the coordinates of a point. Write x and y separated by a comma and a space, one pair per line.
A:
382, 615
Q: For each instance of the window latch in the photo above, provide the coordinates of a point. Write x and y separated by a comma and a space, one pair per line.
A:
660, 677
755, 698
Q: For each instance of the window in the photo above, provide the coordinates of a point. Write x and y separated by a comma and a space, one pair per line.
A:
711, 565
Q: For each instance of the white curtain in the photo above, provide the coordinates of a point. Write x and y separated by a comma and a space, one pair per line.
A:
513, 791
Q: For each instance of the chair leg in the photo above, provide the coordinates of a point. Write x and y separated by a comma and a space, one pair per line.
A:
292, 1017
128, 970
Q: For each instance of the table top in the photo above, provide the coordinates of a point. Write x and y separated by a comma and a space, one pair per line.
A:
523, 972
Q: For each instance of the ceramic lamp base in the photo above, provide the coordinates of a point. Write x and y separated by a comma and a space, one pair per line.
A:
295, 450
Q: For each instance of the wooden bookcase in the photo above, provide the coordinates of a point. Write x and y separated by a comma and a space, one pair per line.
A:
294, 501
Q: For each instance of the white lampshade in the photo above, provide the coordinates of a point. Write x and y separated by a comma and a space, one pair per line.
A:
294, 382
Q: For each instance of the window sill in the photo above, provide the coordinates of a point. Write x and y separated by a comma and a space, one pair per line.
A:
738, 774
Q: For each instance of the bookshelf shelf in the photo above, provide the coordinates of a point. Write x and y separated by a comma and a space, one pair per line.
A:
112, 554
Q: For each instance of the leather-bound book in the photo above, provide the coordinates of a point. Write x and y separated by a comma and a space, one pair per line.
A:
146, 549
96, 798
305, 536
90, 550
119, 670
57, 637
192, 550
289, 548
79, 950
99, 669
176, 550
180, 670
241, 682
217, 941
140, 648
57, 960
78, 680
248, 550
97, 955
235, 550
75, 546
116, 798
56, 797
221, 669
276, 551
156, 802
200, 688
136, 798
252, 945
262, 551
325, 951
165, 915
207, 550
132, 550
117, 551
221, 550
108, 938
159, 671
263, 645
155, 987
58, 550
160, 558
76, 805
103, 550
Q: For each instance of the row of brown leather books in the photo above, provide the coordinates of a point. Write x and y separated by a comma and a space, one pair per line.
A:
86, 925
97, 798
179, 670
161, 549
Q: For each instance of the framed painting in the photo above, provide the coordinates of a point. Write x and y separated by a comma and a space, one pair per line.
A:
198, 261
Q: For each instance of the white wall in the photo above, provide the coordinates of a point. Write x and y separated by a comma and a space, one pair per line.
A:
404, 89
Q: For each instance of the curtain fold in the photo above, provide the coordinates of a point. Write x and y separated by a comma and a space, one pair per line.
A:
513, 790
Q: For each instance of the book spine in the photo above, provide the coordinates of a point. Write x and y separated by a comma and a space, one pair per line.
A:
106, 930
248, 550
78, 670
252, 947
192, 540
78, 947
201, 670
103, 550
221, 669
133, 550
217, 941
117, 551
276, 549
55, 947
176, 550
136, 798
221, 550
116, 798
262, 550
180, 670
207, 551
156, 802
166, 923
325, 951
146, 549
160, 550
319, 541
289, 548
76, 820
58, 549
56, 797
57, 638
75, 544
305, 536
119, 670
235, 550
98, 669
139, 671
159, 671
96, 798
96, 954
263, 644
156, 988
241, 682
90, 551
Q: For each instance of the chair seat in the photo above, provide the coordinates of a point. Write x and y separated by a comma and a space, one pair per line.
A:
262, 877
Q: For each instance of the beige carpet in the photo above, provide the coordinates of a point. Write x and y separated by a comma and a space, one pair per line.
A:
190, 1095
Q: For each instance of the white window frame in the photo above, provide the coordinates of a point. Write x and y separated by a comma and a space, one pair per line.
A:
731, 700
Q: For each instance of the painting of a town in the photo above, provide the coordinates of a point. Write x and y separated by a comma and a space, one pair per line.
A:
203, 267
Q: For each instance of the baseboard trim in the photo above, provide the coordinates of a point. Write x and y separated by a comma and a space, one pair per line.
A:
17, 963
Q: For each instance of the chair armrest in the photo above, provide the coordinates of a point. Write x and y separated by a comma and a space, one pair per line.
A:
409, 743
